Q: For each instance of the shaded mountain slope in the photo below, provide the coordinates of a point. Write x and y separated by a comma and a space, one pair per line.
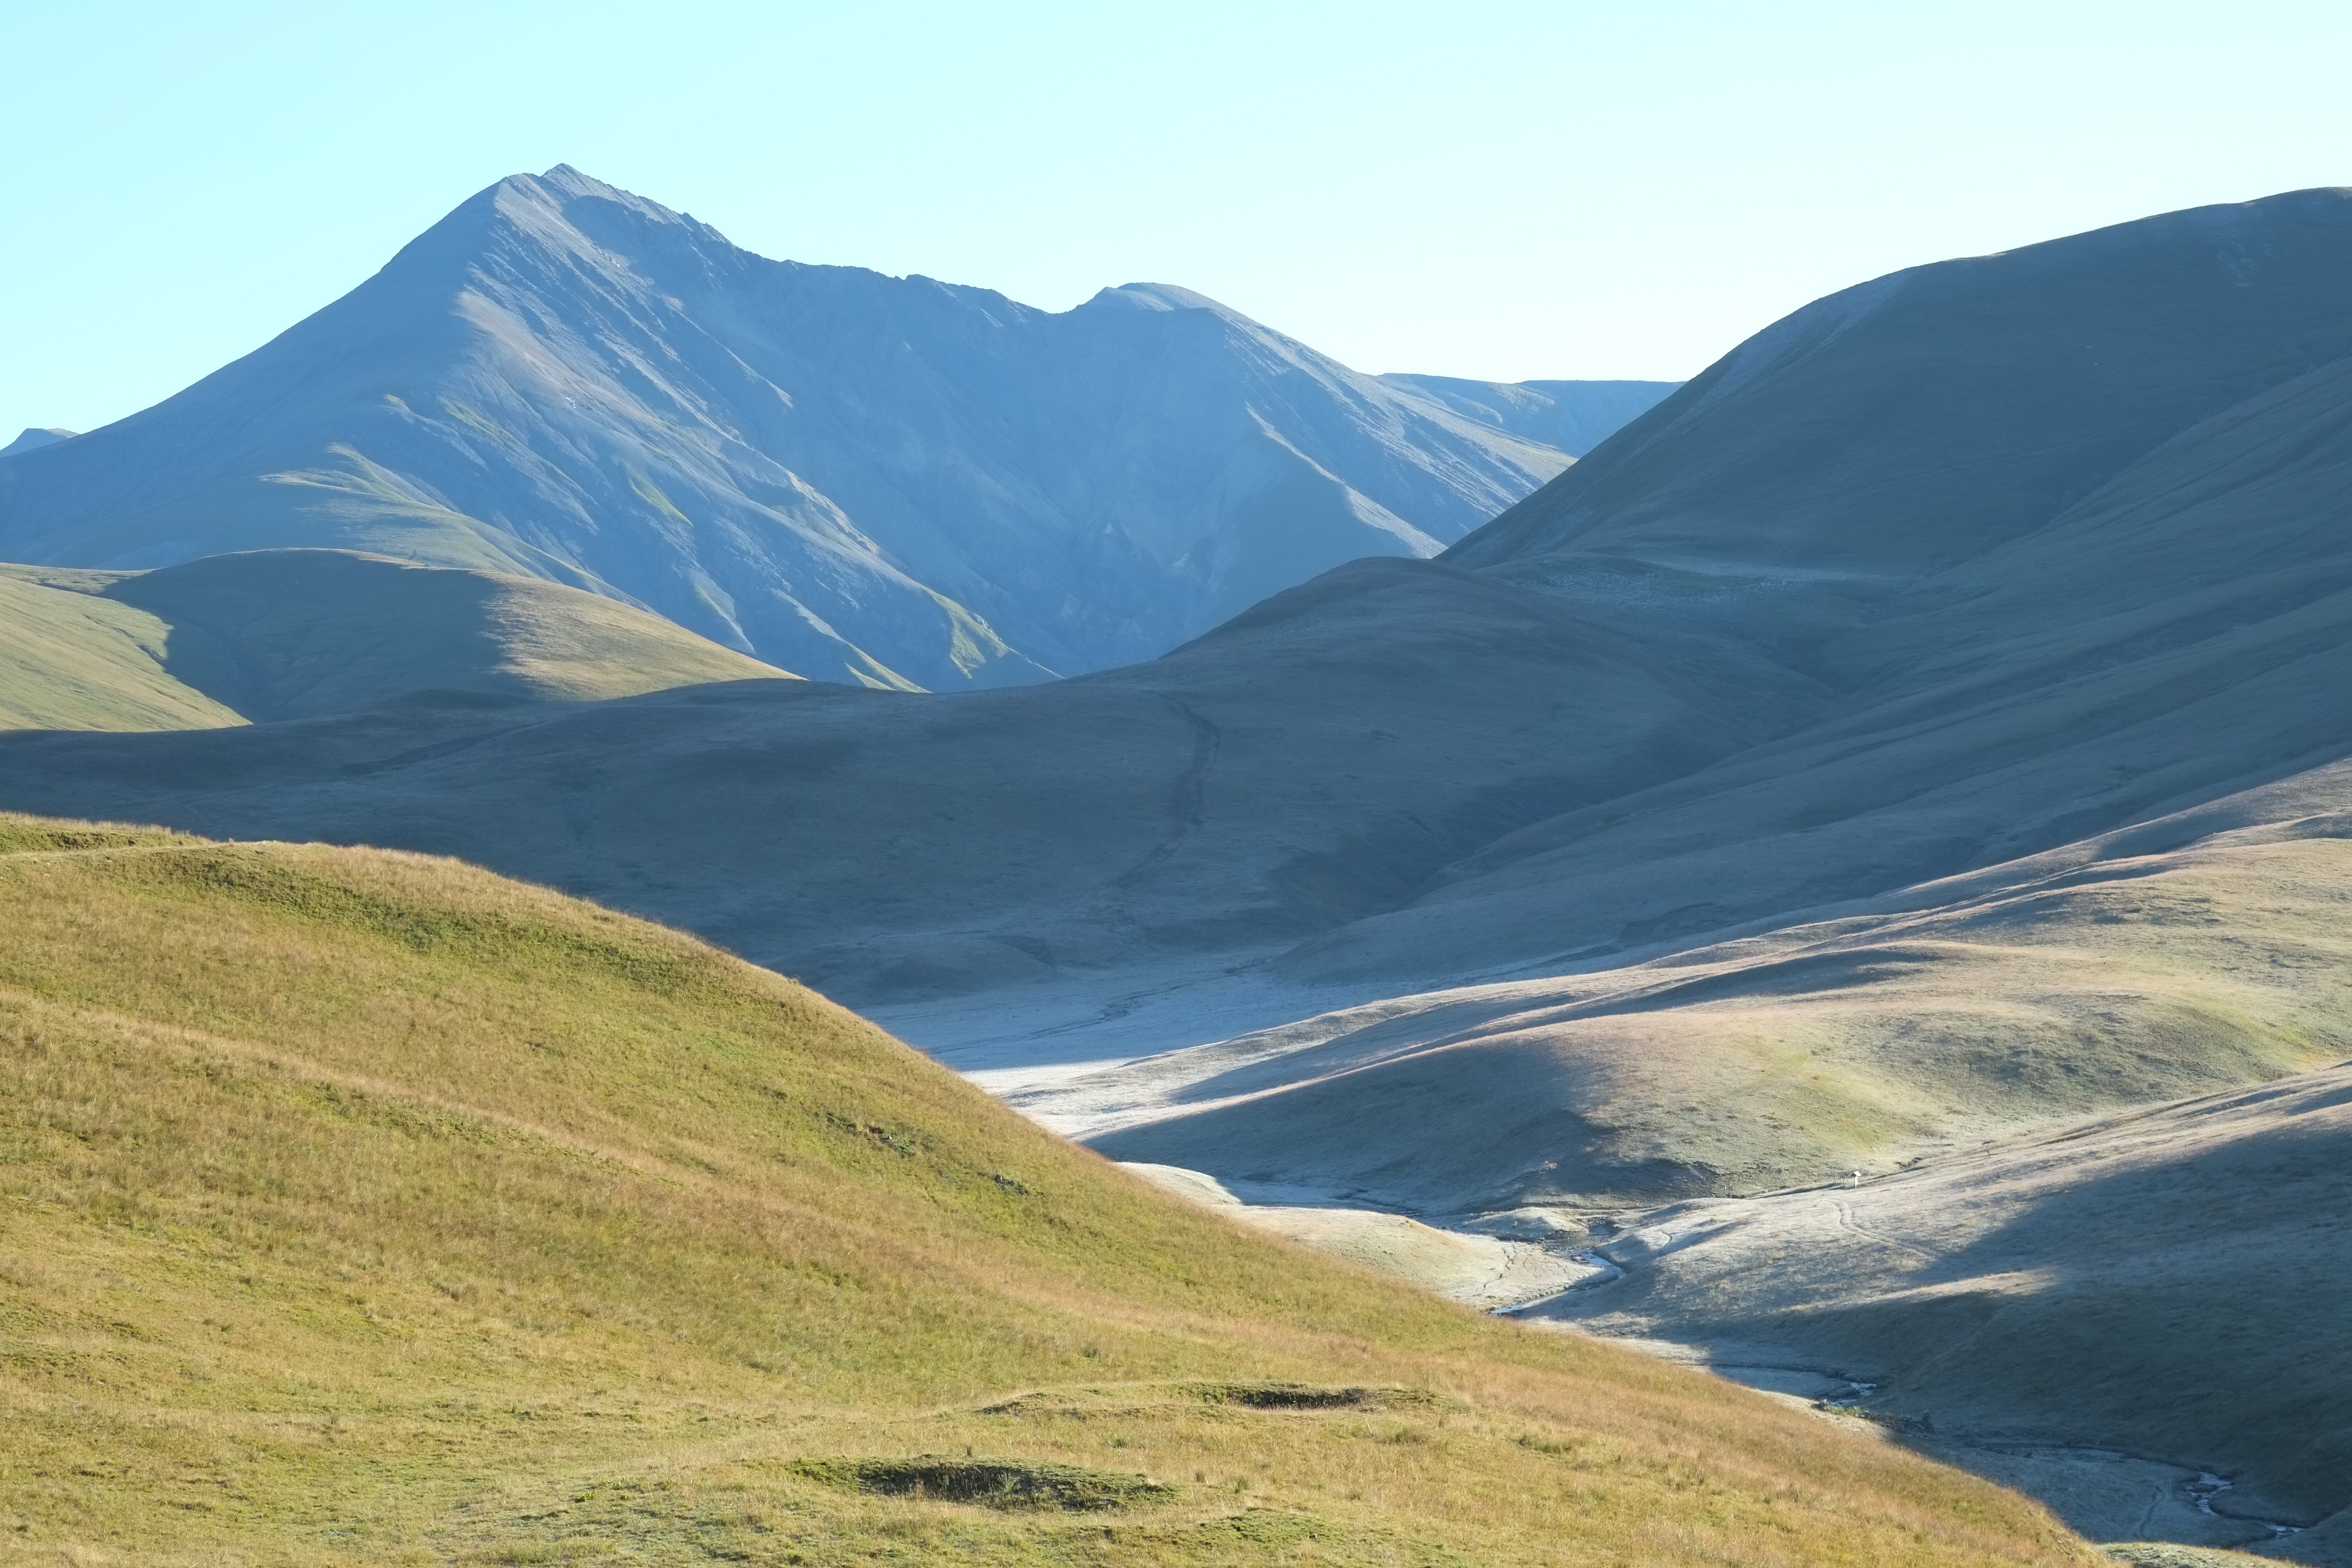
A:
893, 480
1915, 421
1282, 776
341, 1181
2176, 633
1410, 773
280, 634
2176, 636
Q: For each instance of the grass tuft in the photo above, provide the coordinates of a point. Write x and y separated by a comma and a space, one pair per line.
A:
1307, 1396
990, 1483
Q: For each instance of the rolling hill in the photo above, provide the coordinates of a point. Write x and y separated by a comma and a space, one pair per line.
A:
364, 1207
1923, 728
895, 481
895, 848
1549, 753
2191, 953
278, 634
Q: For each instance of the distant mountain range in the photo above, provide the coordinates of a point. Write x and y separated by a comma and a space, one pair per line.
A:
894, 481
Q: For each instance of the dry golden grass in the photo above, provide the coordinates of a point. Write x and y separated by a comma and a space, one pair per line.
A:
365, 1207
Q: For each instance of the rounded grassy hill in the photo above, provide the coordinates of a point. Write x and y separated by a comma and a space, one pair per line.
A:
365, 1207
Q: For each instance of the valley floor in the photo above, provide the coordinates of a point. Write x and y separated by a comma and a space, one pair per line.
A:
2044, 1168
1995, 1307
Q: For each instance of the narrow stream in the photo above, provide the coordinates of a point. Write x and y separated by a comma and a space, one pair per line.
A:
2209, 1485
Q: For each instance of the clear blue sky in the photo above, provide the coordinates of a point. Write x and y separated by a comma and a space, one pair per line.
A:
1494, 190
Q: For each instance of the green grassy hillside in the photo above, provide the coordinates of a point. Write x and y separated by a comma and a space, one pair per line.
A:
71, 658
364, 1207
278, 634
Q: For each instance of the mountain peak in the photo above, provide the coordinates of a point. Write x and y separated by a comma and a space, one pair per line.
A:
552, 205
570, 182
563, 378
33, 439
1160, 296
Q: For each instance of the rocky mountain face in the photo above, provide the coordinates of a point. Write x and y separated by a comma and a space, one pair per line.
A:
894, 481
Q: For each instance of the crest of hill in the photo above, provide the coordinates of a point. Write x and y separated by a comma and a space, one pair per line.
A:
340, 1179
280, 634
33, 439
891, 480
1921, 419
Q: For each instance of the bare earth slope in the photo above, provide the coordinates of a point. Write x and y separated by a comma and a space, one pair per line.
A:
891, 480
363, 1207
278, 634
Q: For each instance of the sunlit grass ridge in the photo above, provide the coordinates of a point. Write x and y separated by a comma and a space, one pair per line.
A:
364, 1207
